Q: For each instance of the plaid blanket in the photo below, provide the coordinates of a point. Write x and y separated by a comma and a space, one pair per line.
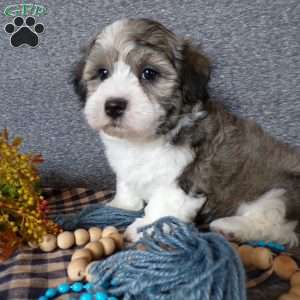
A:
29, 272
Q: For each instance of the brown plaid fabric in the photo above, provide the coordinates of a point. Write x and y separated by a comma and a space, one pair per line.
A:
30, 272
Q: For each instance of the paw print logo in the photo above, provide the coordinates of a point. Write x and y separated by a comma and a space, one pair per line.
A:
24, 33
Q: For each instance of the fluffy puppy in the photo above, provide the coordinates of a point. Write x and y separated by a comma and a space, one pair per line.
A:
174, 151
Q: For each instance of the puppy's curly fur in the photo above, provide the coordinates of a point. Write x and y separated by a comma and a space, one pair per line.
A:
202, 159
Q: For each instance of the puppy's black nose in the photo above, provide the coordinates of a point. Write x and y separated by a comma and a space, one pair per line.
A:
115, 107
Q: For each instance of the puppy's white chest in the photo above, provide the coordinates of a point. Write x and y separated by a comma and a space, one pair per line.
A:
146, 167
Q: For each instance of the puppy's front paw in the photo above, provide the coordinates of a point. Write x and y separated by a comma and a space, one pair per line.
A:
232, 228
131, 233
115, 203
126, 204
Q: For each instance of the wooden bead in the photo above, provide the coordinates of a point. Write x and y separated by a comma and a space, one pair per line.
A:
95, 234
82, 236
109, 230
76, 269
245, 252
118, 239
49, 243
109, 245
295, 279
65, 240
82, 253
289, 297
295, 290
284, 266
262, 258
96, 248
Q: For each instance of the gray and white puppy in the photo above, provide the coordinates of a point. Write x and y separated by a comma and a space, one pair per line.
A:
174, 151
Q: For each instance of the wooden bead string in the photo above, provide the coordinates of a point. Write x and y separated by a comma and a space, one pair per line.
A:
97, 244
100, 243
283, 265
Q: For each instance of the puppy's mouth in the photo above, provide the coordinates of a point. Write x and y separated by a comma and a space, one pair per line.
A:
123, 130
115, 124
115, 128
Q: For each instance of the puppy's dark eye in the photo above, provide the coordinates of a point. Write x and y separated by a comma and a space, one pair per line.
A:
149, 74
103, 74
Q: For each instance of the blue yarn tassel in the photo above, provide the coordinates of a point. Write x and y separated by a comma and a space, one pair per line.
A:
182, 264
177, 265
100, 215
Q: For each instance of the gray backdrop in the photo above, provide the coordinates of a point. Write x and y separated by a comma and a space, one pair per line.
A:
254, 46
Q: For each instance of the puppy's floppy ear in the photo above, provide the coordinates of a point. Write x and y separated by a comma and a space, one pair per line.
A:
79, 84
195, 74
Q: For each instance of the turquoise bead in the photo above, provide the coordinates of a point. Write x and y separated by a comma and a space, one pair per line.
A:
112, 298
86, 296
50, 293
101, 296
63, 288
43, 298
77, 287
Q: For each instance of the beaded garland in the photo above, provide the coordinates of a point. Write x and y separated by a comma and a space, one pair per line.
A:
86, 290
276, 247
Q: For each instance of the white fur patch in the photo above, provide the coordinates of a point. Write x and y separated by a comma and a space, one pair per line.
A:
263, 219
146, 174
110, 36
